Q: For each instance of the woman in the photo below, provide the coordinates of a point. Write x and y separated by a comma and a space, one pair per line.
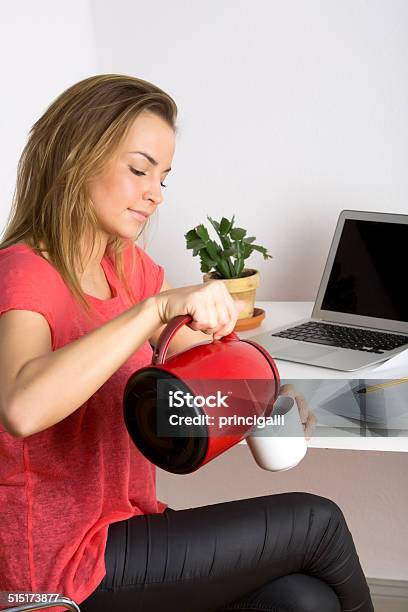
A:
80, 306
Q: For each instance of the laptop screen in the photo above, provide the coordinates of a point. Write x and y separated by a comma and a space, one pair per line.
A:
368, 273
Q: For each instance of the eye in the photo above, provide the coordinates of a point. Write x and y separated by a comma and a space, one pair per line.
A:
140, 173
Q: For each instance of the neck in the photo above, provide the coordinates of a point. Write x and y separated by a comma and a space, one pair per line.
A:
92, 261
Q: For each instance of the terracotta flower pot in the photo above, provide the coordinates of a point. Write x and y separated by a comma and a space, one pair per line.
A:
242, 288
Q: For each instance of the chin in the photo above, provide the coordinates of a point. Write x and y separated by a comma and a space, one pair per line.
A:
129, 232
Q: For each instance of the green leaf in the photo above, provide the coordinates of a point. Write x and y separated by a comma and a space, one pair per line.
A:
215, 224
249, 239
191, 235
202, 232
237, 233
225, 226
262, 250
233, 267
226, 242
247, 250
206, 262
240, 268
223, 269
213, 249
206, 257
204, 267
196, 244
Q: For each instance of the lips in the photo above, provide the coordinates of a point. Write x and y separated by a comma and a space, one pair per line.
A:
140, 212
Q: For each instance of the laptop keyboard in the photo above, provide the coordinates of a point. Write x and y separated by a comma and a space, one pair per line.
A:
344, 337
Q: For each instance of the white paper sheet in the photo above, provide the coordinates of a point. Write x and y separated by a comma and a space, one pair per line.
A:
335, 402
399, 362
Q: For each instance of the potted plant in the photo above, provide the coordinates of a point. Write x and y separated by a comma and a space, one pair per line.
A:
226, 262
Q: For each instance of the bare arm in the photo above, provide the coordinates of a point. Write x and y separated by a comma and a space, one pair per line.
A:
32, 396
33, 378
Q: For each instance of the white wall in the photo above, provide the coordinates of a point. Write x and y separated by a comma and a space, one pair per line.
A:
290, 111
314, 91
44, 48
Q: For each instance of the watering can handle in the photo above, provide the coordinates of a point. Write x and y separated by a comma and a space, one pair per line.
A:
170, 330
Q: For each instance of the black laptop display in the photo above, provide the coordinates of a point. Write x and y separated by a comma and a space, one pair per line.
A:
367, 277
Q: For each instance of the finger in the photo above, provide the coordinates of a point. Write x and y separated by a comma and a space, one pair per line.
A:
212, 307
203, 320
224, 305
230, 318
288, 391
303, 407
310, 425
223, 318
195, 325
209, 318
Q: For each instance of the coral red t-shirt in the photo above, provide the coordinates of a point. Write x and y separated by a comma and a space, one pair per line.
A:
60, 488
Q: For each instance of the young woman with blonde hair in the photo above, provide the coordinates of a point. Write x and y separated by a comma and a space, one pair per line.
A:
81, 304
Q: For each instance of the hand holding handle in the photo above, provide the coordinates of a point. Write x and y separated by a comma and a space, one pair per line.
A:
168, 333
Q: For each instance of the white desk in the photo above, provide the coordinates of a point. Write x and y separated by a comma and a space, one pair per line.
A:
280, 313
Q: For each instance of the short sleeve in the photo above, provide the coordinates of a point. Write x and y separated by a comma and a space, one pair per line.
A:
153, 275
27, 282
147, 276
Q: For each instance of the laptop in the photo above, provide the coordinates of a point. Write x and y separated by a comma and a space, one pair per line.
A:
360, 316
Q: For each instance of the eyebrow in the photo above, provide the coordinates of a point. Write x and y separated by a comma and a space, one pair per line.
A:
151, 160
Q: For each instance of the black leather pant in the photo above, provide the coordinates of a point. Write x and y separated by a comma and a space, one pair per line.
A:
290, 552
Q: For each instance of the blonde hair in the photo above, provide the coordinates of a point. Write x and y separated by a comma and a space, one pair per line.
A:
69, 144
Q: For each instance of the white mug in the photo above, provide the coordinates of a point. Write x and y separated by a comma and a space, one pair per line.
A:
279, 446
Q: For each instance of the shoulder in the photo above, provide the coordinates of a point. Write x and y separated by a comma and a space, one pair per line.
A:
145, 273
22, 267
133, 250
29, 282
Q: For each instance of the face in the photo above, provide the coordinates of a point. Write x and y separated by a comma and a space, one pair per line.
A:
131, 181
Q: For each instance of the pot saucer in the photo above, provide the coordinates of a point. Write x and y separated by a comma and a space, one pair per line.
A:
250, 322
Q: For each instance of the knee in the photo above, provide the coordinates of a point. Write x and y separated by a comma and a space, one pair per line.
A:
328, 513
314, 512
327, 506
299, 592
310, 594
322, 508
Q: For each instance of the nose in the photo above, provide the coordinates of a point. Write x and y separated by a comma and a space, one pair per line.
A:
155, 194
158, 199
